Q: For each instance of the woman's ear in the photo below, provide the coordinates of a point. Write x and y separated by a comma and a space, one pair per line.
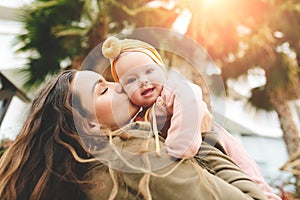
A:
119, 89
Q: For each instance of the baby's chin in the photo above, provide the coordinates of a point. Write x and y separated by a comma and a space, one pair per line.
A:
146, 104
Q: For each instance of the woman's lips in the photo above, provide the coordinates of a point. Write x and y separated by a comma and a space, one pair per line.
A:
147, 92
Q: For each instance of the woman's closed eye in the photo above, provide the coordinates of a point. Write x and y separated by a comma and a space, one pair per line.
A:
104, 91
101, 88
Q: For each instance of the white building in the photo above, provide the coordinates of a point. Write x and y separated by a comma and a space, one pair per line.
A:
10, 64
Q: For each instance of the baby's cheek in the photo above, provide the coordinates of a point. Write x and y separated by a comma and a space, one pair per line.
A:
130, 91
159, 89
135, 97
159, 77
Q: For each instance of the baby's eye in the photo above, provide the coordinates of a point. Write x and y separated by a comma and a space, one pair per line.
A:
149, 71
130, 80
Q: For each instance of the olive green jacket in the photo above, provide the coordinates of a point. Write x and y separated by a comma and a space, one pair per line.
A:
139, 173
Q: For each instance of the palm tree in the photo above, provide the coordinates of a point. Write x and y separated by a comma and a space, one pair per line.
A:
47, 52
240, 35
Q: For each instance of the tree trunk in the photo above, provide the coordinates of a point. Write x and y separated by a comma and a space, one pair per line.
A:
96, 35
288, 126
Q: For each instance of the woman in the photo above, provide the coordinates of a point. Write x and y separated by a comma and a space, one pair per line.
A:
33, 168
50, 158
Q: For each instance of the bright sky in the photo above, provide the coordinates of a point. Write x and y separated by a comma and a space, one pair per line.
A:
181, 23
14, 3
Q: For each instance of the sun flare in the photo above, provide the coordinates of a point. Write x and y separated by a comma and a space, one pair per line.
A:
208, 3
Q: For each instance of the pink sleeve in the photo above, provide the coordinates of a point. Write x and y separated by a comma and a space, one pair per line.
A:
185, 104
240, 156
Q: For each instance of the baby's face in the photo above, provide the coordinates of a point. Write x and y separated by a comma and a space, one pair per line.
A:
141, 78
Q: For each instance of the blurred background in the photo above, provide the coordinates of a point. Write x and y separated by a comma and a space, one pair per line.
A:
254, 43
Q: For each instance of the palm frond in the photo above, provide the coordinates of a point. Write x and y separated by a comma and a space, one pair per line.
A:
64, 31
260, 99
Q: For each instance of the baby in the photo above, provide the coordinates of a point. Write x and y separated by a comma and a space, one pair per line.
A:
178, 105
180, 112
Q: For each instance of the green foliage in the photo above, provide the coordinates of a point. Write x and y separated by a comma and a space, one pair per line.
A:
239, 35
260, 100
45, 50
69, 29
283, 71
267, 37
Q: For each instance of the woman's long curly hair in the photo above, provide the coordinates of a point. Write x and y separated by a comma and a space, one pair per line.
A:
45, 160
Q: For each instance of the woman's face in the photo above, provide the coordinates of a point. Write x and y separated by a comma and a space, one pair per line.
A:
102, 102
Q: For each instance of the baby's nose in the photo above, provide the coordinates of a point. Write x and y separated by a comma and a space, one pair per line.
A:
143, 81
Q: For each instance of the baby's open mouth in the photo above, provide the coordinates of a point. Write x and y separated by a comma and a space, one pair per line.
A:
147, 91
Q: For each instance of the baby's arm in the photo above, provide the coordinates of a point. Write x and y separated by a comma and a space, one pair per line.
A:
186, 106
206, 124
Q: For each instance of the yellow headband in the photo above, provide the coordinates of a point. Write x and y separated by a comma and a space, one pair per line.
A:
113, 47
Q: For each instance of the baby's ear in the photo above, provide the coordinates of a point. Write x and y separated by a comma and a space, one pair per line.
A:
119, 88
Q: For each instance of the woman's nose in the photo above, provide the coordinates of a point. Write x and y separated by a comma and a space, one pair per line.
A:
111, 85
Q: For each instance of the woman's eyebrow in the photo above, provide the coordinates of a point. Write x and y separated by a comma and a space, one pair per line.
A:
99, 80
